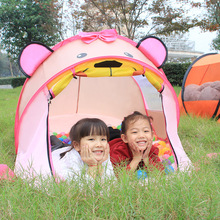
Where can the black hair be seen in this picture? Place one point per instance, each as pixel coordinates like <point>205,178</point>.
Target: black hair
<point>133,118</point>
<point>86,127</point>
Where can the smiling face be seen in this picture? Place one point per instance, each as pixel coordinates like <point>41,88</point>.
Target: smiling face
<point>92,133</point>
<point>96,143</point>
<point>139,134</point>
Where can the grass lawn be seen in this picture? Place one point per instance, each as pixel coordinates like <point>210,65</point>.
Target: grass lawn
<point>181,196</point>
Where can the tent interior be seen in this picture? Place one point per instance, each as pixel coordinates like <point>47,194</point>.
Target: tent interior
<point>108,98</point>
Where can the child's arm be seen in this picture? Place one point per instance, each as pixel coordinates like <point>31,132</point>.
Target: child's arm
<point>146,155</point>
<point>151,157</point>
<point>137,157</point>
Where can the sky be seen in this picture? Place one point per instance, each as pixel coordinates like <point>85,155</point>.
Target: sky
<point>202,40</point>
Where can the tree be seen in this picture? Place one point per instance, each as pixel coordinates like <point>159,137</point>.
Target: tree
<point>211,19</point>
<point>72,18</point>
<point>23,21</point>
<point>133,18</point>
<point>216,42</point>
<point>213,7</point>
<point>5,69</point>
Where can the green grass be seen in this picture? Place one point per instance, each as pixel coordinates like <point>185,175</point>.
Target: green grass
<point>177,89</point>
<point>8,103</point>
<point>180,196</point>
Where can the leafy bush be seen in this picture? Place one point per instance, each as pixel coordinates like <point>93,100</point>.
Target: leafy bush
<point>175,72</point>
<point>13,81</point>
<point>18,81</point>
<point>5,81</point>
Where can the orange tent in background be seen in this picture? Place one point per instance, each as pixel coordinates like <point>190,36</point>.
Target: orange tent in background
<point>200,93</point>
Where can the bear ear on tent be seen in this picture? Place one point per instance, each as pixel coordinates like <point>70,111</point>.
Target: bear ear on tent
<point>31,56</point>
<point>154,49</point>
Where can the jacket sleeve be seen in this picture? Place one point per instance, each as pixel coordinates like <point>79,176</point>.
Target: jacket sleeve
<point>119,154</point>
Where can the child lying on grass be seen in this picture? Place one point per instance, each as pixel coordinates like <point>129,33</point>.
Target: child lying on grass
<point>134,150</point>
<point>89,151</point>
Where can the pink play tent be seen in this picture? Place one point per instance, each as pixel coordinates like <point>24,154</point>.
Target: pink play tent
<point>97,74</point>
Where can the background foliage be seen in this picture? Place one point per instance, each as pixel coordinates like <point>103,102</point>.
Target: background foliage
<point>13,81</point>
<point>175,72</point>
<point>28,20</point>
<point>8,68</point>
<point>134,18</point>
<point>48,21</point>
<point>210,21</point>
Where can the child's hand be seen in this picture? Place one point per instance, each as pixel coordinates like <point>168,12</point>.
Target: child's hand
<point>146,154</point>
<point>137,153</point>
<point>106,154</point>
<point>87,156</point>
<point>137,156</point>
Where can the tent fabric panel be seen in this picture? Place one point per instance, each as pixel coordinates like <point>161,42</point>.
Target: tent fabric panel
<point>65,103</point>
<point>202,74</point>
<point>63,123</point>
<point>17,116</point>
<point>154,49</point>
<point>32,155</point>
<point>169,106</point>
<point>31,87</point>
<point>102,98</point>
<point>203,108</point>
<point>109,95</point>
<point>180,102</point>
<point>158,123</point>
<point>153,105</point>
<point>151,95</point>
<point>207,59</point>
<point>196,75</point>
<point>32,56</point>
<point>212,74</point>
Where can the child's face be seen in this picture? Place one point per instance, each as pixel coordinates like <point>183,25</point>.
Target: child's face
<point>138,134</point>
<point>96,143</point>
